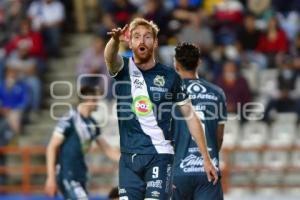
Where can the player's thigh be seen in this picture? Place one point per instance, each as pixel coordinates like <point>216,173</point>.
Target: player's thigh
<point>73,190</point>
<point>183,188</point>
<point>131,185</point>
<point>158,178</point>
<point>208,191</point>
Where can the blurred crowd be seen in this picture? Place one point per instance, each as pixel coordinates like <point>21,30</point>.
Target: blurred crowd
<point>30,33</point>
<point>250,48</point>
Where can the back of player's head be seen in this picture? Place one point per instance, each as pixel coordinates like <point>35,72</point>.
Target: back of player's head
<point>187,55</point>
<point>143,22</point>
<point>87,92</point>
<point>113,194</point>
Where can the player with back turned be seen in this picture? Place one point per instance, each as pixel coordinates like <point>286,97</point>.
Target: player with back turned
<point>146,93</point>
<point>208,100</point>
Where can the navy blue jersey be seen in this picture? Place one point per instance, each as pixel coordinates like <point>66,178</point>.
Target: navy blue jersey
<point>78,133</point>
<point>145,100</point>
<point>208,101</point>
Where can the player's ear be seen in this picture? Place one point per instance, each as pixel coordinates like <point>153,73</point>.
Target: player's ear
<point>155,42</point>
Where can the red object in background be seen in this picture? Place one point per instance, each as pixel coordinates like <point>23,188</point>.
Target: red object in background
<point>279,44</point>
<point>34,38</point>
<point>2,20</point>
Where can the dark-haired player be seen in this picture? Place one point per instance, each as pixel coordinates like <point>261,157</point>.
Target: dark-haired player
<point>71,139</point>
<point>208,100</point>
<point>146,93</point>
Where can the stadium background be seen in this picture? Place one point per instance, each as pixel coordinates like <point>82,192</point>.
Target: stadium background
<point>250,48</point>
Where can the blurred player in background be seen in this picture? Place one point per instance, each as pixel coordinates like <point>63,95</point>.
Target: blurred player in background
<point>146,93</point>
<point>71,139</point>
<point>208,101</point>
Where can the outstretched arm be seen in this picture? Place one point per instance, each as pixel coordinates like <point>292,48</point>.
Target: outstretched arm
<point>113,60</point>
<point>196,130</point>
<point>109,151</point>
<point>51,154</point>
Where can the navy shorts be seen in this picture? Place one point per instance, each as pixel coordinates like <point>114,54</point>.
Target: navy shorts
<point>145,176</point>
<point>196,188</point>
<point>72,189</point>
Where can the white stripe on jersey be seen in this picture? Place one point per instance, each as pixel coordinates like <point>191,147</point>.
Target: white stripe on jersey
<point>148,122</point>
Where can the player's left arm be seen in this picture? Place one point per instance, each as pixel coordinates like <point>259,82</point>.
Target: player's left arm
<point>222,118</point>
<point>196,130</point>
<point>220,135</point>
<point>111,152</point>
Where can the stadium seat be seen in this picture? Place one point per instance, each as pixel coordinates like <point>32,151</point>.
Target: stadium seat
<point>292,178</point>
<point>268,178</point>
<point>275,159</point>
<point>267,81</point>
<point>254,134</point>
<point>282,134</point>
<point>251,75</point>
<point>286,117</point>
<point>295,159</point>
<point>231,133</point>
<point>246,159</point>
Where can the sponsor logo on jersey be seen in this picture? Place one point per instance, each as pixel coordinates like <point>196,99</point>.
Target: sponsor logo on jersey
<point>159,81</point>
<point>155,194</point>
<point>138,83</point>
<point>154,184</point>
<point>142,105</point>
<point>122,191</point>
<point>197,91</point>
<point>193,163</point>
<point>158,89</point>
<point>196,87</point>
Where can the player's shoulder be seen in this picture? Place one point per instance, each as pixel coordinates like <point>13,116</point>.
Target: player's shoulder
<point>169,71</point>
<point>213,88</point>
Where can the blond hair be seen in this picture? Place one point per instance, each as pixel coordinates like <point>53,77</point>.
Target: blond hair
<point>143,22</point>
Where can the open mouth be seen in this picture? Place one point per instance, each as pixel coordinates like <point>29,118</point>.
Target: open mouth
<point>142,49</point>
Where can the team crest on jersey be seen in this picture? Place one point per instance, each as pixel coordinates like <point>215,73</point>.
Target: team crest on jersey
<point>196,87</point>
<point>142,105</point>
<point>159,81</point>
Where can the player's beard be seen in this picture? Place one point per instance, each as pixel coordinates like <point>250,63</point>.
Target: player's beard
<point>143,56</point>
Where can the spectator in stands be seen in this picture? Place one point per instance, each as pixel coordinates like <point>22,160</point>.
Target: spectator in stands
<point>288,86</point>
<point>26,67</point>
<point>25,34</point>
<point>35,44</point>
<point>91,62</point>
<point>13,100</point>
<point>48,16</point>
<point>104,24</point>
<point>194,31</point>
<point>235,87</point>
<point>248,35</point>
<point>113,194</point>
<point>122,11</point>
<point>10,16</point>
<point>154,11</point>
<point>247,41</point>
<point>273,42</point>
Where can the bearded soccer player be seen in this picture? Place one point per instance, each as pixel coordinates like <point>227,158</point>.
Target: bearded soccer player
<point>146,92</point>
<point>208,100</point>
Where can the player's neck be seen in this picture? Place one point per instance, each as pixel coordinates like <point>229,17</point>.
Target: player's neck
<point>145,65</point>
<point>189,75</point>
<point>84,111</point>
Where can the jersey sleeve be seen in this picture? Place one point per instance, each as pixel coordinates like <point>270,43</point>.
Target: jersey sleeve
<point>62,128</point>
<point>121,72</point>
<point>179,92</point>
<point>222,118</point>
